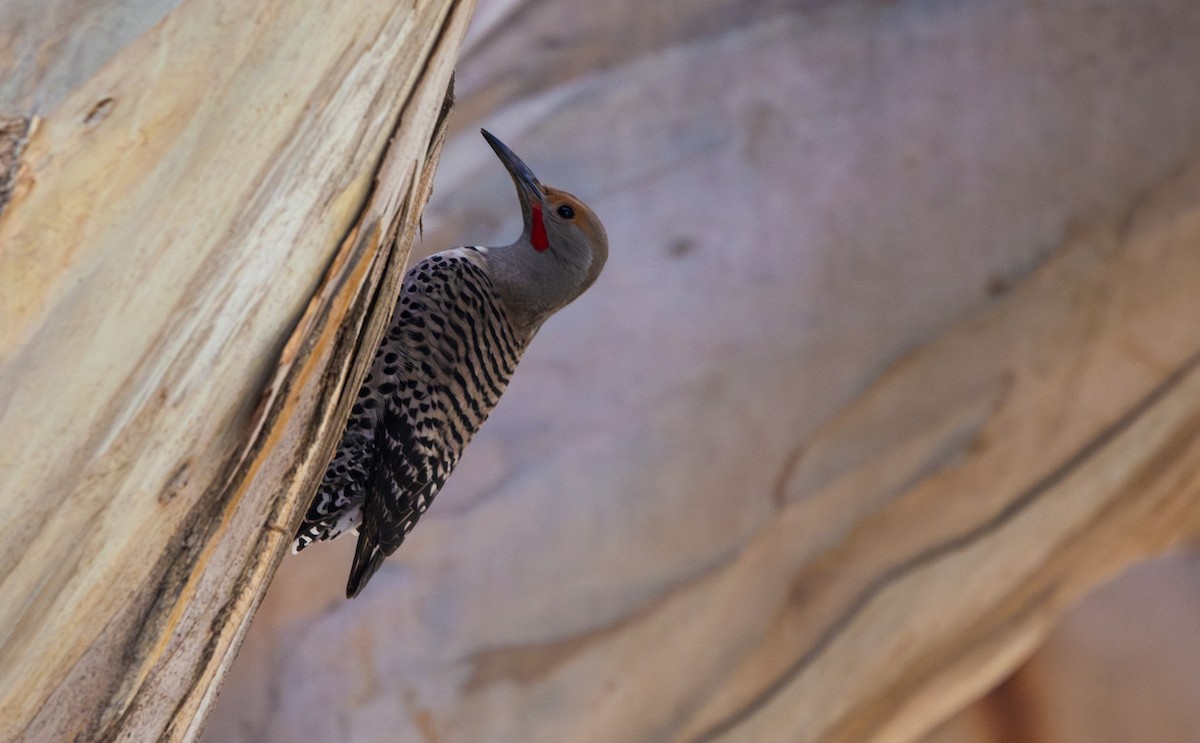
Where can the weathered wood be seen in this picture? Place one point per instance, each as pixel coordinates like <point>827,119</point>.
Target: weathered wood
<point>198,233</point>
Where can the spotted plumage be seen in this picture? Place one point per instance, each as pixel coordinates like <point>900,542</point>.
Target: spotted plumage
<point>463,320</point>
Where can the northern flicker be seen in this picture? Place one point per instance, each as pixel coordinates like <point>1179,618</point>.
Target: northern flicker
<point>463,320</point>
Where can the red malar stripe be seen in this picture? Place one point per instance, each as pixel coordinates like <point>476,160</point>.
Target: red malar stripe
<point>537,235</point>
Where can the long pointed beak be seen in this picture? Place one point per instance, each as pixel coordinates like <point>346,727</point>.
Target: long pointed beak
<point>528,186</point>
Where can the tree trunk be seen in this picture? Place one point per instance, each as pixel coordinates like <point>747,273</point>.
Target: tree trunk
<point>209,206</point>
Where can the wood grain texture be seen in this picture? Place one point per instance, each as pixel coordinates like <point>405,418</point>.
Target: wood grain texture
<point>198,235</point>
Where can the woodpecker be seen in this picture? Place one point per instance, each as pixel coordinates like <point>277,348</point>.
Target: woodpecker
<point>463,320</point>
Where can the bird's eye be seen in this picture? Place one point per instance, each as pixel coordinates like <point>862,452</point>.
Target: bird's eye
<point>566,212</point>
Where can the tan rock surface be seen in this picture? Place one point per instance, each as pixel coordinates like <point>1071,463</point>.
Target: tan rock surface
<point>1121,666</point>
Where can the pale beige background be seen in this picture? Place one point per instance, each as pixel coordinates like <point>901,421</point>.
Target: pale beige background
<point>796,193</point>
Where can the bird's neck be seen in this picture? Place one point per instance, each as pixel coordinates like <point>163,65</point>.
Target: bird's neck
<point>532,285</point>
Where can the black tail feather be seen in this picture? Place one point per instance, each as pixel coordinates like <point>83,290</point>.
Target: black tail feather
<point>367,558</point>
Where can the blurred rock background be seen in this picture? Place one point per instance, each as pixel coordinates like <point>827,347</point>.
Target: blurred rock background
<point>1121,667</point>
<point>796,194</point>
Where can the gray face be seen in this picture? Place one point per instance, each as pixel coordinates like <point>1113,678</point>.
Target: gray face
<point>559,254</point>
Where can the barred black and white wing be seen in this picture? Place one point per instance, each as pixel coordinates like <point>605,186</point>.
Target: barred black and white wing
<point>447,357</point>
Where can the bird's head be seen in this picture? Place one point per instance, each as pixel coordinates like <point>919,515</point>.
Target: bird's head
<point>560,252</point>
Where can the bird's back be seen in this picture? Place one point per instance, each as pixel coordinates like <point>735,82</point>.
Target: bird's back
<point>448,354</point>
